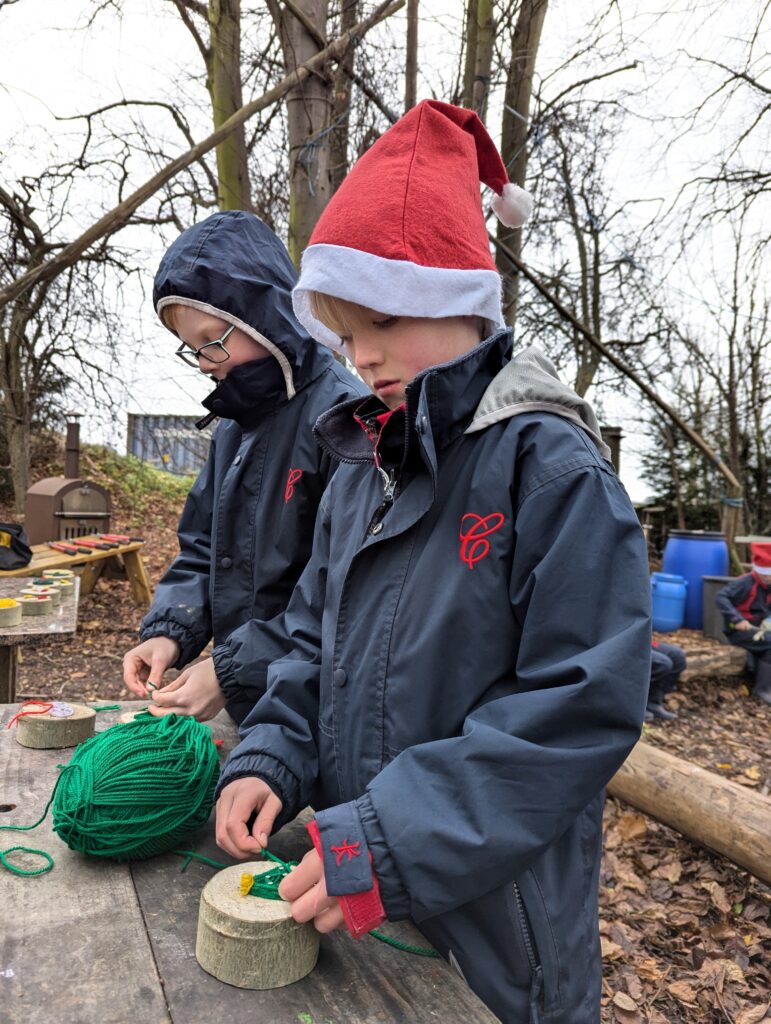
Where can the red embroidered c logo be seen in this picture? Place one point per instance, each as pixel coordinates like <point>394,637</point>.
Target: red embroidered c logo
<point>473,546</point>
<point>291,480</point>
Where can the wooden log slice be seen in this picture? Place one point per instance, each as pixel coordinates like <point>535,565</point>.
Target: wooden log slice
<point>129,716</point>
<point>59,574</point>
<point>10,612</point>
<point>51,591</point>
<point>46,732</point>
<point>35,604</point>
<point>250,942</point>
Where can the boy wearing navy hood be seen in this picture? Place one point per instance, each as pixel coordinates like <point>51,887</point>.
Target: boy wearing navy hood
<point>471,637</point>
<point>224,289</point>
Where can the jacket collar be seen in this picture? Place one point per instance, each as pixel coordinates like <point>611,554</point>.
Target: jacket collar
<point>248,392</point>
<point>441,401</point>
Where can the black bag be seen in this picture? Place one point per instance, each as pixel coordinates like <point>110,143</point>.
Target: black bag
<point>15,551</point>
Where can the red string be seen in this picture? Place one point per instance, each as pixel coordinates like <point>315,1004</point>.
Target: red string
<point>45,705</point>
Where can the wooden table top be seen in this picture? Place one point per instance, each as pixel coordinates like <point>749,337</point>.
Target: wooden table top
<point>44,557</point>
<point>62,619</point>
<point>96,942</point>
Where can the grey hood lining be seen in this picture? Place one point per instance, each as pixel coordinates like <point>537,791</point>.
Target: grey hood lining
<point>253,333</point>
<point>529,383</point>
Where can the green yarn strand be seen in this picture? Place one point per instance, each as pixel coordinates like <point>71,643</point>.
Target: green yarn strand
<point>16,870</point>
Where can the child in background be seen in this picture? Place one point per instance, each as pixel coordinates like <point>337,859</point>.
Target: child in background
<point>667,662</point>
<point>471,637</point>
<point>745,604</point>
<point>224,289</point>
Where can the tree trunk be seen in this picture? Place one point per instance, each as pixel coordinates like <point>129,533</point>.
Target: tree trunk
<point>480,34</point>
<point>519,84</point>
<point>719,814</point>
<point>223,80</point>
<point>308,115</point>
<point>15,400</point>
<point>411,73</point>
<point>338,142</point>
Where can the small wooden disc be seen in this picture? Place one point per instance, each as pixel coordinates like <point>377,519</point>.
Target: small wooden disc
<point>10,612</point>
<point>58,574</point>
<point>250,942</point>
<point>51,591</point>
<point>31,605</point>
<point>46,732</point>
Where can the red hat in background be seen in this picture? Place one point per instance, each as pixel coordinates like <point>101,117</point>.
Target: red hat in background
<point>405,233</point>
<point>761,558</point>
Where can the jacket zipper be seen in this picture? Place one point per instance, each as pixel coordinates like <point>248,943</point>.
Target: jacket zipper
<point>389,493</point>
<point>536,988</point>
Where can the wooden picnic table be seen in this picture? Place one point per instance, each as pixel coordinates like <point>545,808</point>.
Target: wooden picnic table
<point>97,942</point>
<point>121,562</point>
<point>32,628</point>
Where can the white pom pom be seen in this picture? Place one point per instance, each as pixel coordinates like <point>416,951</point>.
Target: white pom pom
<point>513,207</point>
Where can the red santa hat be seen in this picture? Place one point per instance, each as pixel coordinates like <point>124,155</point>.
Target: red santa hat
<point>761,558</point>
<point>405,233</point>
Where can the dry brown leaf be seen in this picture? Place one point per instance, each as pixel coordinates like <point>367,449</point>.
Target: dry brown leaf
<point>610,950</point>
<point>682,991</point>
<point>751,1014</point>
<point>632,825</point>
<point>733,972</point>
<point>624,1002</point>
<point>670,872</point>
<point>753,772</point>
<point>719,897</point>
<point>649,970</point>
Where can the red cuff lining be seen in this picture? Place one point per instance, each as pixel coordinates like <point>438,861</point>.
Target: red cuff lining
<point>362,911</point>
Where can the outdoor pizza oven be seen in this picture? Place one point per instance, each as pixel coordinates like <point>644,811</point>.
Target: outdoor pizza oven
<point>63,507</point>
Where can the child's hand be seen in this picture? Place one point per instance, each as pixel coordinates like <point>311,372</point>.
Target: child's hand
<point>743,626</point>
<point>149,660</point>
<point>237,802</point>
<point>194,692</point>
<point>306,890</point>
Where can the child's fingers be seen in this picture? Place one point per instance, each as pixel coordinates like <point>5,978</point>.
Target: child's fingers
<point>331,919</point>
<point>176,684</point>
<point>233,811</point>
<point>307,873</point>
<point>263,826</point>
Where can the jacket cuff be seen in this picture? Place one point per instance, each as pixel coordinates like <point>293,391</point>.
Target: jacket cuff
<point>393,891</point>
<point>225,670</point>
<point>281,780</point>
<point>189,646</point>
<point>347,867</point>
<point>361,911</point>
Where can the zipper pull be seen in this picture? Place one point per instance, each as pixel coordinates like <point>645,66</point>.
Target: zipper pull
<point>389,484</point>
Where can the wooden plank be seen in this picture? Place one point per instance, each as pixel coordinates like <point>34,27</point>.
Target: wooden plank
<point>353,983</point>
<point>9,662</point>
<point>364,982</point>
<point>140,584</point>
<point>73,944</point>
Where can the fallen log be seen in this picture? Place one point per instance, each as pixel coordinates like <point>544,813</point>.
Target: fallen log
<point>721,815</point>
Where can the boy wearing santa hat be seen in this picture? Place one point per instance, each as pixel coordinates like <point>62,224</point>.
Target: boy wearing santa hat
<point>745,604</point>
<point>471,636</point>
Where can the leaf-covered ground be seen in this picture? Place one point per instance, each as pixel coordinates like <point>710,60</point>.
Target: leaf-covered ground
<point>686,935</point>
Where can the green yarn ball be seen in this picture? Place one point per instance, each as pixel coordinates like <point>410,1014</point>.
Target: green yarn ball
<point>137,789</point>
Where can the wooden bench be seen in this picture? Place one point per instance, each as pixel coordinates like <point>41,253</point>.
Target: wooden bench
<point>99,942</point>
<point>123,562</point>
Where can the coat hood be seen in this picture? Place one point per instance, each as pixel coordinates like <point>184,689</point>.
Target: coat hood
<point>233,266</point>
<point>529,383</point>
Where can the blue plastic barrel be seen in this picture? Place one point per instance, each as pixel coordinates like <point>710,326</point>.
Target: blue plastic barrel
<point>694,554</point>
<point>668,594</point>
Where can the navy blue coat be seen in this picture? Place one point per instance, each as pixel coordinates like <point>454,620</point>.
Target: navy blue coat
<point>247,527</point>
<point>470,667</point>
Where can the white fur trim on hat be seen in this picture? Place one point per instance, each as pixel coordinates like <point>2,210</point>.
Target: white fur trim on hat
<point>513,206</point>
<point>395,287</point>
<point>764,570</point>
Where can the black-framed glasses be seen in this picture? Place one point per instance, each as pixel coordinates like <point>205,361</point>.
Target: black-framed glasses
<point>217,353</point>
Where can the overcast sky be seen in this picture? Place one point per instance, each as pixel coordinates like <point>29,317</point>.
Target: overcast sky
<point>52,67</point>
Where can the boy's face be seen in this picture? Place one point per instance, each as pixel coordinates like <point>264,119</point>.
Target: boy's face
<point>196,329</point>
<point>389,351</point>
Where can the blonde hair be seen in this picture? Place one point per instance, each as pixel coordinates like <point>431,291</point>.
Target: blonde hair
<point>169,316</point>
<point>339,315</point>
